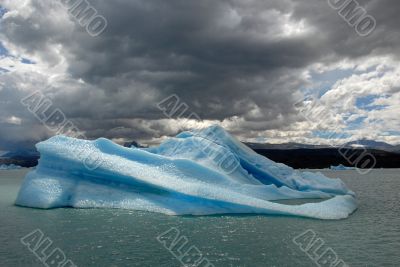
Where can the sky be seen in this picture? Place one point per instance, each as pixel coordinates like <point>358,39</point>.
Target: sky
<point>271,71</point>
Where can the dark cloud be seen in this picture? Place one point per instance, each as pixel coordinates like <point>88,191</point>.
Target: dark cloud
<point>223,58</point>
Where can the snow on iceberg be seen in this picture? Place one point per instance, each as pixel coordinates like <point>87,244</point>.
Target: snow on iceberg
<point>198,172</point>
<point>9,167</point>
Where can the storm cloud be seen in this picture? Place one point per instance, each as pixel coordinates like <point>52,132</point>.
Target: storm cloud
<point>243,64</point>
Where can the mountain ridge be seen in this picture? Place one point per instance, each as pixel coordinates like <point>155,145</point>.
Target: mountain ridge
<point>362,143</point>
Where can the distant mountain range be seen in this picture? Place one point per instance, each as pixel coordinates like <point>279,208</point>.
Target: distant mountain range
<point>293,154</point>
<point>284,146</point>
<point>368,144</point>
<point>20,157</point>
<point>133,144</point>
<point>21,153</point>
<point>375,145</point>
<point>322,156</point>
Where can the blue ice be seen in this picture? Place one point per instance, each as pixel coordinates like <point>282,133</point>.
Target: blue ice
<point>341,167</point>
<point>198,172</point>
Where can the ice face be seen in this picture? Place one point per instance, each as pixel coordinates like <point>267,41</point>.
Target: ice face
<point>198,172</point>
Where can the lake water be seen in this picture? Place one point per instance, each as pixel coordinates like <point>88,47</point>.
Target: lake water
<point>105,237</point>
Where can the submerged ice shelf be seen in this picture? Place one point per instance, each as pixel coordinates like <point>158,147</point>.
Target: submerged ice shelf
<point>198,172</point>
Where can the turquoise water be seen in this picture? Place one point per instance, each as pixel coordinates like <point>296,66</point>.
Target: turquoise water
<point>101,237</point>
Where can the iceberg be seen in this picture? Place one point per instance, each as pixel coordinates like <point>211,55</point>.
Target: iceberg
<point>341,167</point>
<point>9,167</point>
<point>198,172</point>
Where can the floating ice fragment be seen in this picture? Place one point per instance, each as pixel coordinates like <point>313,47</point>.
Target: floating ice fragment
<point>341,167</point>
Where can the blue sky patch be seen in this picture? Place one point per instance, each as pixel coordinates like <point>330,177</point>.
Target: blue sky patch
<point>27,61</point>
<point>365,103</point>
<point>3,70</point>
<point>330,134</point>
<point>3,50</point>
<point>325,81</point>
<point>392,133</point>
<point>2,11</point>
<point>355,124</point>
